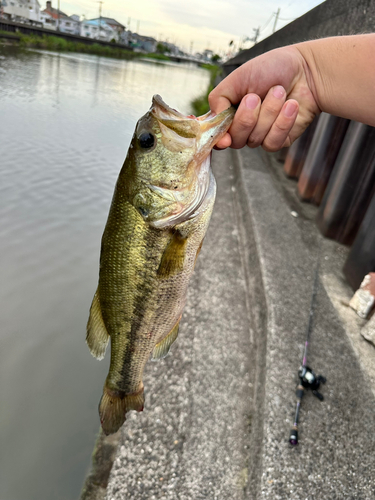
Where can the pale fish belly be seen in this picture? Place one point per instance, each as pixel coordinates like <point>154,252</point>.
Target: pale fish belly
<point>172,292</point>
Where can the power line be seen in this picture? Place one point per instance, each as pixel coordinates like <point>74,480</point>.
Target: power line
<point>289,4</point>
<point>267,22</point>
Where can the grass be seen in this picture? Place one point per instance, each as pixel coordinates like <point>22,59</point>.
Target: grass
<point>50,42</point>
<point>9,33</point>
<point>200,104</point>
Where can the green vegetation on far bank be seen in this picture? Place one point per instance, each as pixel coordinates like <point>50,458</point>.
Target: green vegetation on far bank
<point>200,104</point>
<point>10,34</point>
<point>50,42</point>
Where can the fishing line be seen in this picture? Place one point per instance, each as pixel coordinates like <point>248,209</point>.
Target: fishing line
<point>307,377</point>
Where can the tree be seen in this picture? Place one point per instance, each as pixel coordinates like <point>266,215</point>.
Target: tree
<point>161,48</point>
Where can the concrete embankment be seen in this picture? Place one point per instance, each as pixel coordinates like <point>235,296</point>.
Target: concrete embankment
<point>219,408</point>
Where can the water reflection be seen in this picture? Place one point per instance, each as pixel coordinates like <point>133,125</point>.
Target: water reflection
<point>66,121</point>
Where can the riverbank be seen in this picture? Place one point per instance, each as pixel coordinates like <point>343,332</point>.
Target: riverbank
<point>200,104</point>
<point>50,42</point>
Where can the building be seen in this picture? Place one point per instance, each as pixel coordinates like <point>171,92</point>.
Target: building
<point>143,43</point>
<point>115,25</point>
<point>63,23</point>
<point>21,10</point>
<point>207,55</point>
<point>48,21</point>
<point>172,49</point>
<point>70,25</point>
<point>98,29</point>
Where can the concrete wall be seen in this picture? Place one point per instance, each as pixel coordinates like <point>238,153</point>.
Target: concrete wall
<point>331,18</point>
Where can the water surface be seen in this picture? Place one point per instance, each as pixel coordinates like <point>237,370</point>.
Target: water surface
<point>66,121</point>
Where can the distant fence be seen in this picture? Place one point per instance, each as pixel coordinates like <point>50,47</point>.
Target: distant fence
<point>28,29</point>
<point>334,160</point>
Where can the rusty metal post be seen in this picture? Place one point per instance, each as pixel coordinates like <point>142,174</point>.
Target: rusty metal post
<point>351,185</point>
<point>297,153</point>
<point>361,258</point>
<point>320,160</point>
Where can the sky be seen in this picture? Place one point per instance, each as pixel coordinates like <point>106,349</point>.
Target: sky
<point>195,25</point>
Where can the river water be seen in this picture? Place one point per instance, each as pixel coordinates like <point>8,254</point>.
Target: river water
<point>66,121</point>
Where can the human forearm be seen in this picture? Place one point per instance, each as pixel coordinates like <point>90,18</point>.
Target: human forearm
<point>341,75</point>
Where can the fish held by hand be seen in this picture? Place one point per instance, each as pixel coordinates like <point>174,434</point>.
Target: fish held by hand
<point>158,218</point>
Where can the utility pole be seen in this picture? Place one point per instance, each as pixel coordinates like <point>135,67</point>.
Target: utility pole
<point>138,23</point>
<point>129,20</point>
<point>100,15</point>
<point>276,19</point>
<point>191,47</point>
<point>256,34</point>
<point>58,15</point>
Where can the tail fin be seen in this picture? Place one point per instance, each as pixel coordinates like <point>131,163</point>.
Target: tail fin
<point>114,405</point>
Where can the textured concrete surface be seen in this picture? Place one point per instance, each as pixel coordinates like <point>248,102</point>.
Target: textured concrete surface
<point>219,409</point>
<point>334,458</point>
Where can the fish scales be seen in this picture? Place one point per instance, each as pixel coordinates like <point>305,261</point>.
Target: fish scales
<point>156,225</point>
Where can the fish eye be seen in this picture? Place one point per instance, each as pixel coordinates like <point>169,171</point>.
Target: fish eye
<point>146,140</point>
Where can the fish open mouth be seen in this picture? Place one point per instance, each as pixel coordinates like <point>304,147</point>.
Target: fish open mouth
<point>203,132</point>
<point>207,129</point>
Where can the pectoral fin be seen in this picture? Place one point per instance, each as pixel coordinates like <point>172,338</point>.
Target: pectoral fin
<point>173,258</point>
<point>162,348</point>
<point>198,252</point>
<point>97,337</point>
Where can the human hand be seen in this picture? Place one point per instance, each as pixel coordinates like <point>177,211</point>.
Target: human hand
<point>276,99</point>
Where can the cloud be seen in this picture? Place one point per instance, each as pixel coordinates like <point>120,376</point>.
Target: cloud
<point>205,22</point>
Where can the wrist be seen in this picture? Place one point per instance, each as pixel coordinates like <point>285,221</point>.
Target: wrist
<point>311,71</point>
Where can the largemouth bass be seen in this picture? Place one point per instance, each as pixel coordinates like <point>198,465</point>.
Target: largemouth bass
<point>157,221</point>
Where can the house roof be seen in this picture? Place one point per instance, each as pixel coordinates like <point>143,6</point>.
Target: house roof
<point>55,13</point>
<point>111,21</point>
<point>143,38</point>
<point>96,22</point>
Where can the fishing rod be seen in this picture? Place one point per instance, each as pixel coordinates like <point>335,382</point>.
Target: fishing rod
<point>307,377</point>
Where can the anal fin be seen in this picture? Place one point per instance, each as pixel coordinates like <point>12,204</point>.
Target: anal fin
<point>173,258</point>
<point>97,337</point>
<point>162,348</point>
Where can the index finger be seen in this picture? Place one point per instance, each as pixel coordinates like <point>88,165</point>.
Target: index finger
<point>217,102</point>
<point>223,96</point>
<point>232,89</point>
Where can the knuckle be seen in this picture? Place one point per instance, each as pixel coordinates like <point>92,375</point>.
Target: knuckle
<point>281,126</point>
<point>270,148</point>
<point>272,110</point>
<point>253,141</point>
<point>245,121</point>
